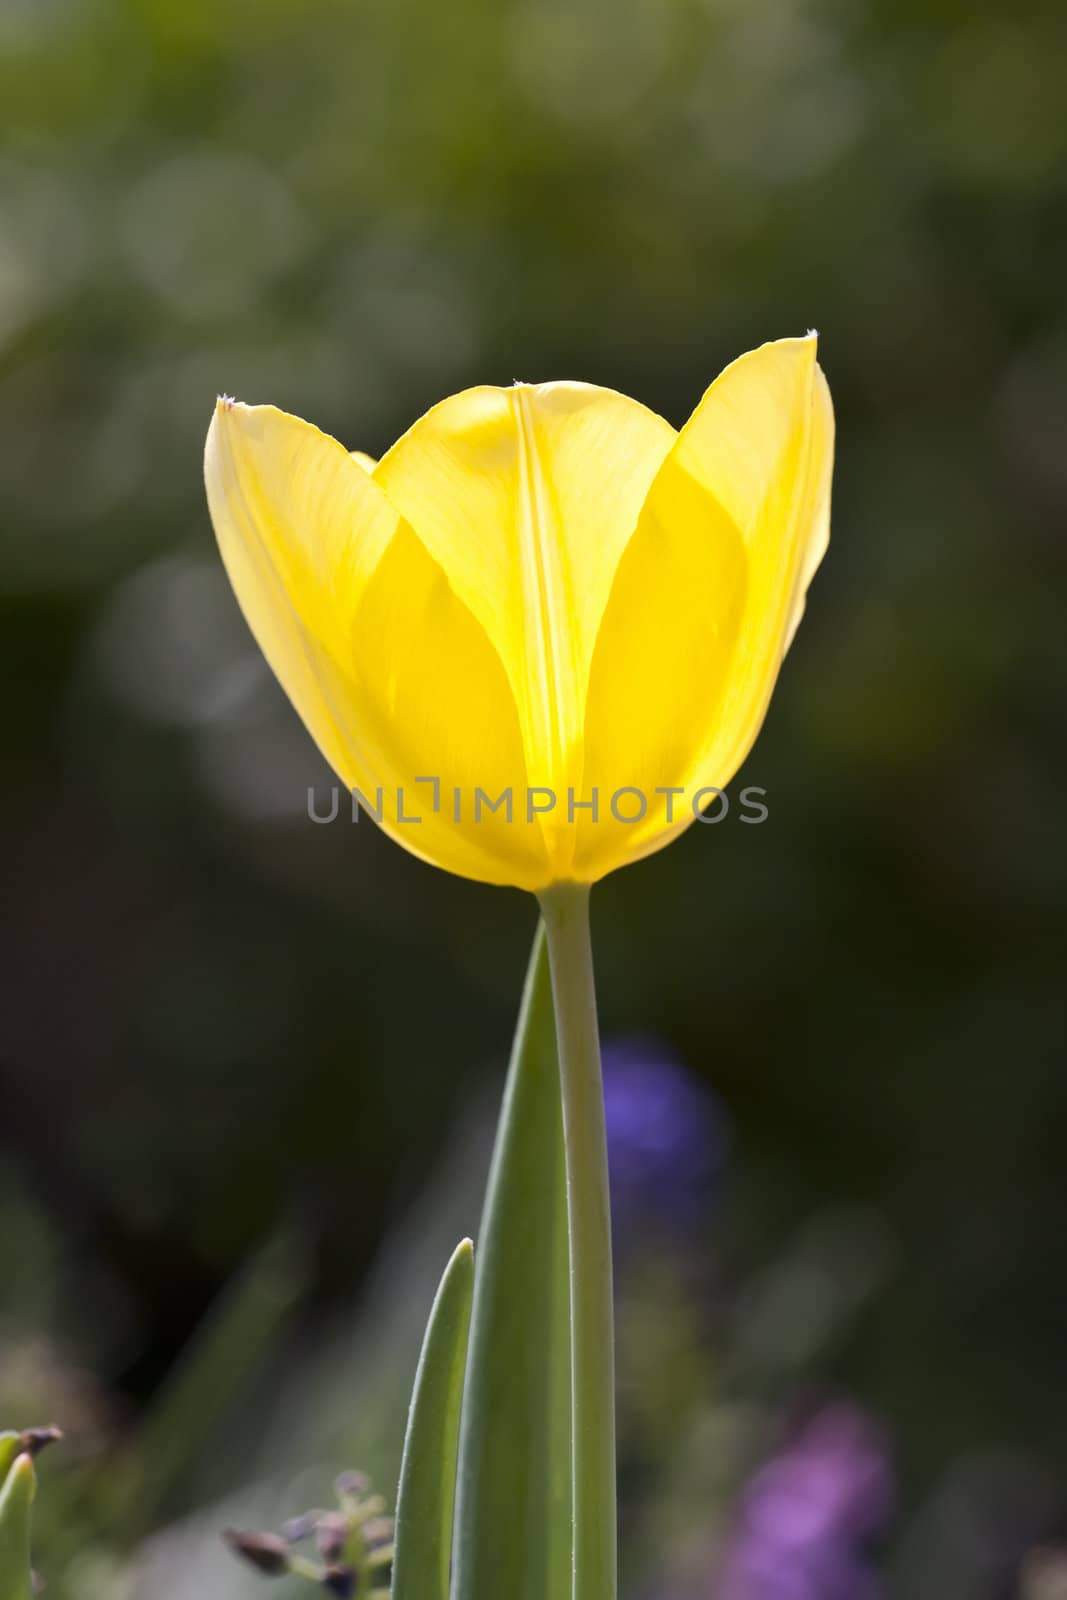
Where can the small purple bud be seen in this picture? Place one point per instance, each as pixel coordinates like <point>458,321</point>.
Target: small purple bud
<point>350,1485</point>
<point>330,1535</point>
<point>298,1528</point>
<point>264,1551</point>
<point>340,1581</point>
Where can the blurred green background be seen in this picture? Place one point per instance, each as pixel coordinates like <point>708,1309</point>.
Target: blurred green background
<point>248,1064</point>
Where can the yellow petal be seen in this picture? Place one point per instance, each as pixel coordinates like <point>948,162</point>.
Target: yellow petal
<point>393,676</point>
<point>362,459</point>
<point>300,527</point>
<point>822,471</point>
<point>527,497</point>
<point>440,725</point>
<point>706,598</point>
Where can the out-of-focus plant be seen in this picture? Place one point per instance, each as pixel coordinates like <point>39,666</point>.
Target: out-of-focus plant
<point>668,1140</point>
<point>353,1545</point>
<point>809,1513</point>
<point>18,1485</point>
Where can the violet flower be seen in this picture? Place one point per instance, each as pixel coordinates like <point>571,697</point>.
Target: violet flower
<point>809,1513</point>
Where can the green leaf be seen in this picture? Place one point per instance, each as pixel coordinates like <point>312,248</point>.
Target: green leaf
<point>426,1497</point>
<point>16,1498</point>
<point>513,1516</point>
<point>11,1445</point>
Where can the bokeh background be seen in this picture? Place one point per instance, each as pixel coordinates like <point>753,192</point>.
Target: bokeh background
<point>249,1065</point>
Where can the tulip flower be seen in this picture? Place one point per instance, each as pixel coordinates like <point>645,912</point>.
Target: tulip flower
<point>544,624</point>
<point>535,638</point>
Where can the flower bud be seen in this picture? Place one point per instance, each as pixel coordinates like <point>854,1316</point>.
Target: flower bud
<point>340,1581</point>
<point>265,1551</point>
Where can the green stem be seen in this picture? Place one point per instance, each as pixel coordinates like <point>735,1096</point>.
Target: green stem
<point>565,907</point>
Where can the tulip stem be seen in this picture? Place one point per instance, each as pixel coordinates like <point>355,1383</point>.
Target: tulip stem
<point>565,908</point>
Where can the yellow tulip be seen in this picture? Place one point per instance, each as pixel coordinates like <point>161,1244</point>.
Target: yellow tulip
<point>544,593</point>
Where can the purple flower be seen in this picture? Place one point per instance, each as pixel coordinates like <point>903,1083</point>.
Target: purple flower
<point>808,1513</point>
<point>667,1140</point>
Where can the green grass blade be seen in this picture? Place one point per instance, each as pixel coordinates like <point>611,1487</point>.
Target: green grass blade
<point>426,1497</point>
<point>513,1517</point>
<point>16,1498</point>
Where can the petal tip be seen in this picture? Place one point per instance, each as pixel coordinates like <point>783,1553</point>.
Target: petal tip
<point>226,405</point>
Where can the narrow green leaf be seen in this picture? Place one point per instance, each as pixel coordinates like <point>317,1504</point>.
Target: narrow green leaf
<point>513,1517</point>
<point>11,1445</point>
<point>16,1498</point>
<point>427,1493</point>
